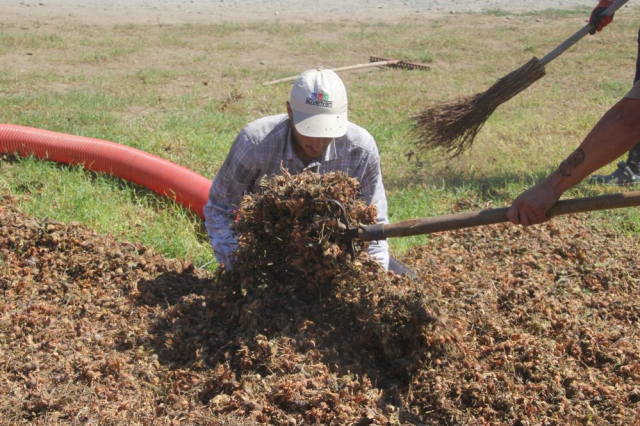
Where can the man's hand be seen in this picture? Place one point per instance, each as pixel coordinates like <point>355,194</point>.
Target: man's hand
<point>598,19</point>
<point>531,207</point>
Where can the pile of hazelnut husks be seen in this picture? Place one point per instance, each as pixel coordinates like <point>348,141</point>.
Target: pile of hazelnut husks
<point>541,326</point>
<point>294,226</point>
<point>293,267</point>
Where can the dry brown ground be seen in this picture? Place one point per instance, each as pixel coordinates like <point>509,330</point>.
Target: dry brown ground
<point>534,327</point>
<point>99,12</point>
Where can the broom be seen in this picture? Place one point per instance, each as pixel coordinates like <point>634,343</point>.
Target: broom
<point>452,126</point>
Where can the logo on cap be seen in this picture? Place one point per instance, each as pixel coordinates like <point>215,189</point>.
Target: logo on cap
<point>319,99</point>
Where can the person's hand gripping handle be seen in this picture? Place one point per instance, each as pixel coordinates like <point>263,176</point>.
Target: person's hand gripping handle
<point>598,18</point>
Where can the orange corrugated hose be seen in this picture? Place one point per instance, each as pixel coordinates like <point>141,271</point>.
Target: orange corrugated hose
<point>161,176</point>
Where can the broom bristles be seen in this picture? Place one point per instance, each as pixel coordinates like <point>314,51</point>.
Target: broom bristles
<point>452,126</point>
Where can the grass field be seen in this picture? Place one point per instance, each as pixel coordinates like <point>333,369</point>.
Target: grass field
<point>183,93</point>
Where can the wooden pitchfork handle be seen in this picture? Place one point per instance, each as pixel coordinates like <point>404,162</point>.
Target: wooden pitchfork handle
<point>579,34</point>
<point>488,217</point>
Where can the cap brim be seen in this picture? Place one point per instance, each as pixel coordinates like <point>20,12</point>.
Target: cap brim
<point>320,125</point>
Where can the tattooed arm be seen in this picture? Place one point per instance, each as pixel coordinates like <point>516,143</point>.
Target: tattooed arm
<point>616,132</point>
<point>571,163</point>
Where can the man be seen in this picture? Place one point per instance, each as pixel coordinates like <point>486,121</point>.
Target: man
<point>314,134</point>
<point>628,172</point>
<point>616,132</point>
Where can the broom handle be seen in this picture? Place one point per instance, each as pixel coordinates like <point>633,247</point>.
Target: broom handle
<point>350,67</point>
<point>578,36</point>
<point>491,216</point>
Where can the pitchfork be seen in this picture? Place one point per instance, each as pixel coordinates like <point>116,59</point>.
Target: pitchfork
<point>450,222</point>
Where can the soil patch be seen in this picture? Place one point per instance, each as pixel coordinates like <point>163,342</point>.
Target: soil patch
<point>96,12</point>
<point>504,326</point>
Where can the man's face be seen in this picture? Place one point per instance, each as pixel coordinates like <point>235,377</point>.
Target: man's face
<point>312,147</point>
<point>307,148</point>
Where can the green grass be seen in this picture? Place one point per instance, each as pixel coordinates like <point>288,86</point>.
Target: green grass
<point>183,92</point>
<point>551,13</point>
<point>111,205</point>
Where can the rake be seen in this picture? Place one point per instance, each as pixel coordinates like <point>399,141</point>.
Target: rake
<point>452,126</point>
<point>374,61</point>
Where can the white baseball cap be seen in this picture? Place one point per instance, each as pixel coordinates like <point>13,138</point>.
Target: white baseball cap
<point>319,104</point>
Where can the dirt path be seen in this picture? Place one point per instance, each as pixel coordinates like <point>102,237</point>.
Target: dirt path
<point>216,11</point>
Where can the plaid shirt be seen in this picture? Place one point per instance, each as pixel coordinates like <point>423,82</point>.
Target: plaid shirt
<point>259,150</point>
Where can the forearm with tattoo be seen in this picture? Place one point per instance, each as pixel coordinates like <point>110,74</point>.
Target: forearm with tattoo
<point>571,163</point>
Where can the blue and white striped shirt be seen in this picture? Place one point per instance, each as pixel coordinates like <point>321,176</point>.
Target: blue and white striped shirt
<point>259,150</point>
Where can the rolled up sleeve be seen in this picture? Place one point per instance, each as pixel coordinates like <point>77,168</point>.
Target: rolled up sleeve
<point>373,193</point>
